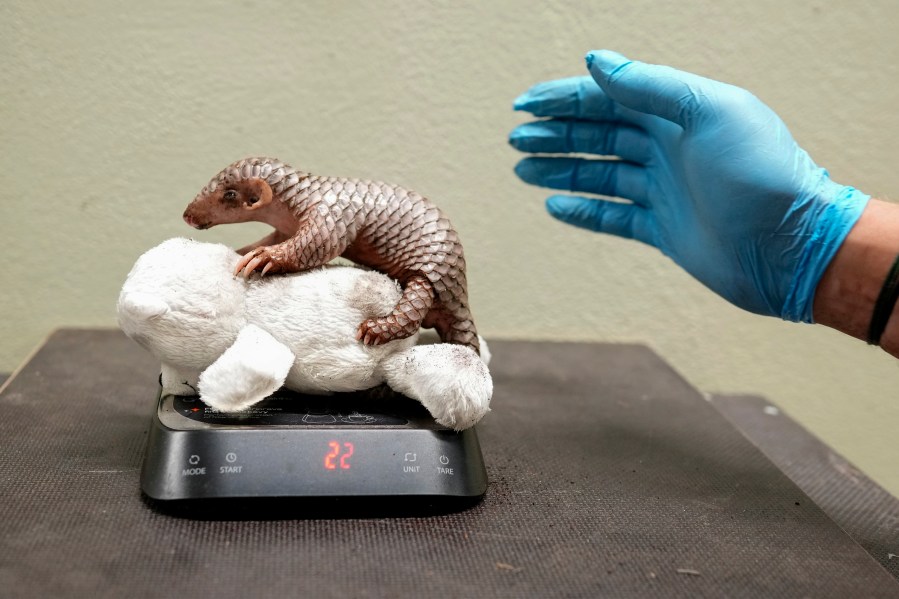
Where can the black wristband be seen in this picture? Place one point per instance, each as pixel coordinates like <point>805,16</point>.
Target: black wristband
<point>883,308</point>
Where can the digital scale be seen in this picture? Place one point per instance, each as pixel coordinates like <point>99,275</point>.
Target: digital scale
<point>331,453</point>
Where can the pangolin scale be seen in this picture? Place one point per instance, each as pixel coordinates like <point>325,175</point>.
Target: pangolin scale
<point>375,224</point>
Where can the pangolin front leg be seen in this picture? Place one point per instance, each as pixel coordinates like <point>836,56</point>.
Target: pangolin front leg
<point>315,244</point>
<point>274,258</point>
<point>273,238</point>
<point>406,318</point>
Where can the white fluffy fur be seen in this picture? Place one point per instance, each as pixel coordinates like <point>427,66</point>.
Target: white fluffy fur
<point>237,341</point>
<point>255,366</point>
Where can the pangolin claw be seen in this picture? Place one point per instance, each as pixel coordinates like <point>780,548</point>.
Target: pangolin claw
<point>242,263</point>
<point>251,266</point>
<point>252,261</point>
<point>365,334</point>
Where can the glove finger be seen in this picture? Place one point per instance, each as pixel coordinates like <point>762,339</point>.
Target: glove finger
<point>624,220</point>
<point>574,97</point>
<point>674,95</point>
<point>603,177</point>
<point>587,137</point>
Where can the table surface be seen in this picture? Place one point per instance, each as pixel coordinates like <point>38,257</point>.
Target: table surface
<point>867,512</point>
<point>609,476</point>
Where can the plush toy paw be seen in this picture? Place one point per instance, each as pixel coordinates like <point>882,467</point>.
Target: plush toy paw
<point>253,368</point>
<point>177,381</point>
<point>450,380</point>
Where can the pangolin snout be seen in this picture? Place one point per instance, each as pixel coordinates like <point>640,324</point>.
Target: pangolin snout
<point>189,219</point>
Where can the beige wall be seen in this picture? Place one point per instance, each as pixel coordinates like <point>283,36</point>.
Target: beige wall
<point>114,116</point>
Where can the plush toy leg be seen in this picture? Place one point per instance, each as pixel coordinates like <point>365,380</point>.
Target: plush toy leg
<point>254,367</point>
<point>177,381</point>
<point>450,380</point>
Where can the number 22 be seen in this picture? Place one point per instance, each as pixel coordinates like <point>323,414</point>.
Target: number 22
<point>331,456</point>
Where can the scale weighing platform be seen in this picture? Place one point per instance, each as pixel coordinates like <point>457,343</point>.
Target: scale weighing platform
<point>345,447</point>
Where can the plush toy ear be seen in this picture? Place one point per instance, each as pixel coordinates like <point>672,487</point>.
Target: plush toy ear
<point>255,366</point>
<point>142,306</point>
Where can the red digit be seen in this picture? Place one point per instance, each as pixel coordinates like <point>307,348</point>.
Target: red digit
<point>344,463</point>
<point>329,457</point>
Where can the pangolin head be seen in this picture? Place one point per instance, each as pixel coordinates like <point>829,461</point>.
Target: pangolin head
<point>235,193</point>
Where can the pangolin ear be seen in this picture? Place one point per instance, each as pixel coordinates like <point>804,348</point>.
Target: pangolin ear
<point>259,194</point>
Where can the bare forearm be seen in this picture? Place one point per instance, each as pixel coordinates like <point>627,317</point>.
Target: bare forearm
<point>845,297</point>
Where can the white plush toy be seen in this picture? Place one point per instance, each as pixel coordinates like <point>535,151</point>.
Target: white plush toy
<point>236,341</point>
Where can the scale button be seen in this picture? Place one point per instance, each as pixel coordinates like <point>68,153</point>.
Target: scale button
<point>194,460</point>
<point>444,460</point>
<point>231,457</point>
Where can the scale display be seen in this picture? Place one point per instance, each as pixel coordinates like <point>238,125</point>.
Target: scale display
<point>291,445</point>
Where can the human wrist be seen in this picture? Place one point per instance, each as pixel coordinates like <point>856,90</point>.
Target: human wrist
<point>848,290</point>
<point>834,210</point>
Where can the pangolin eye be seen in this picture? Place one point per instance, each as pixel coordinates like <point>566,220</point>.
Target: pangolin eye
<point>230,195</point>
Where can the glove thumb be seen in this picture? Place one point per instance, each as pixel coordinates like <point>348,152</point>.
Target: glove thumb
<point>652,89</point>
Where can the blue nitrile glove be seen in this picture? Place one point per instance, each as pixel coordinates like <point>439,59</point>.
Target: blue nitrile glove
<point>713,178</point>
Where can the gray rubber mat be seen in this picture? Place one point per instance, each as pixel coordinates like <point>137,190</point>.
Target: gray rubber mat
<point>861,507</point>
<point>609,476</point>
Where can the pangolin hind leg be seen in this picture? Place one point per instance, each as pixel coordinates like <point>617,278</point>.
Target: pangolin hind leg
<point>455,327</point>
<point>406,318</point>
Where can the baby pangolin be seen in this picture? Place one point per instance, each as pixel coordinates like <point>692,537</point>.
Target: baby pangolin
<point>378,225</point>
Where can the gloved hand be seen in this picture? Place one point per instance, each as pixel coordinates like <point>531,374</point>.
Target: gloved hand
<point>712,176</point>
